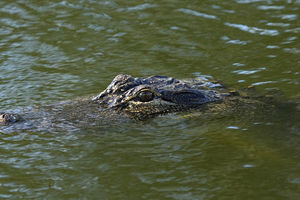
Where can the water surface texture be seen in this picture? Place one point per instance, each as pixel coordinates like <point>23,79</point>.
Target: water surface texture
<point>54,50</point>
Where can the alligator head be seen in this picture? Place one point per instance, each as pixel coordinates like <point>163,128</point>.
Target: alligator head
<point>143,98</point>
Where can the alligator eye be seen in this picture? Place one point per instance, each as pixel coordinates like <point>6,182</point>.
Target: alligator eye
<point>146,96</point>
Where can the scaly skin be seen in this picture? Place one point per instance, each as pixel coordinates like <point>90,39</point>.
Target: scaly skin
<point>127,99</point>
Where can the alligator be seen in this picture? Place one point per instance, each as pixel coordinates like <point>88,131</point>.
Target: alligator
<point>129,99</point>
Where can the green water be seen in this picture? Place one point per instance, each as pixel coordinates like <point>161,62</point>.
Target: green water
<point>58,50</point>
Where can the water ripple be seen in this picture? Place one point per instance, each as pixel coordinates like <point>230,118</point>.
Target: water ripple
<point>253,29</point>
<point>198,14</point>
<point>247,72</point>
<point>264,7</point>
<point>55,50</point>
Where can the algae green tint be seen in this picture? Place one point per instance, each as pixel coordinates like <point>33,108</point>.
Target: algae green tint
<point>54,51</point>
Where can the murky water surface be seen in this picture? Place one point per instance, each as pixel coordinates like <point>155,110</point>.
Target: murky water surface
<point>58,50</point>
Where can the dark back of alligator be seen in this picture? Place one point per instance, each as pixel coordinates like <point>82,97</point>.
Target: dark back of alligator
<point>137,99</point>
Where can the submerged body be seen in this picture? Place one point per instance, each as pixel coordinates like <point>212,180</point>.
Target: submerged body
<point>128,98</point>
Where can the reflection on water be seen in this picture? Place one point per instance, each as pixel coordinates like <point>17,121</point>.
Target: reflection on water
<point>58,50</point>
